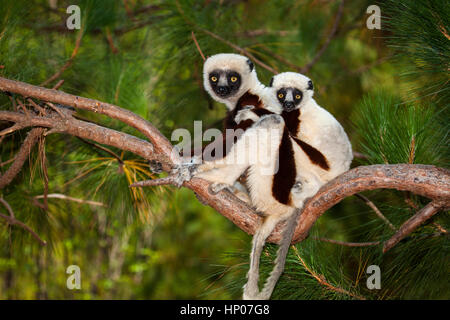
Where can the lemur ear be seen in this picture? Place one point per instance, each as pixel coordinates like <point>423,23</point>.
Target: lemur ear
<point>271,82</point>
<point>250,65</point>
<point>310,85</point>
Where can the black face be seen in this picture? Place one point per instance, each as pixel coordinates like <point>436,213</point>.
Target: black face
<point>225,83</point>
<point>289,98</point>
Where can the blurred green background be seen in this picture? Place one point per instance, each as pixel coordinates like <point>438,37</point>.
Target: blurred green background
<point>389,88</point>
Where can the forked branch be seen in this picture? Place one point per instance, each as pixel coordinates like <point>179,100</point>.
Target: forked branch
<point>428,181</point>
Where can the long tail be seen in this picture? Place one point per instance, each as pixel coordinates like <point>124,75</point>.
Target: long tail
<point>251,289</point>
<point>282,252</point>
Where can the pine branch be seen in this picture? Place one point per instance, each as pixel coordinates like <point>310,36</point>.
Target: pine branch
<point>11,220</point>
<point>14,222</point>
<point>19,160</point>
<point>412,223</point>
<point>428,181</point>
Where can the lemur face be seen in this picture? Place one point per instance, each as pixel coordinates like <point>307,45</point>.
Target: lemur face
<point>225,83</point>
<point>289,98</point>
<point>227,76</point>
<point>293,90</point>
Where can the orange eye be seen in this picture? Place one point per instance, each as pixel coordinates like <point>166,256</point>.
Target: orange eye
<point>280,95</point>
<point>233,79</point>
<point>213,79</point>
<point>297,97</point>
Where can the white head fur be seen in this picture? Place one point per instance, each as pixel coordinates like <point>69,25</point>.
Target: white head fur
<point>221,68</point>
<point>293,90</point>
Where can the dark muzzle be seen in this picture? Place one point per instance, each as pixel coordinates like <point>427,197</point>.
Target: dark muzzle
<point>289,105</point>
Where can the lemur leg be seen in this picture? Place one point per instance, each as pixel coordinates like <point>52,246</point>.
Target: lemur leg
<point>241,155</point>
<point>306,185</point>
<point>249,141</point>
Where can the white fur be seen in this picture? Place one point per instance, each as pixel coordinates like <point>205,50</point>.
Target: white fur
<point>259,179</point>
<point>318,128</point>
<point>249,79</point>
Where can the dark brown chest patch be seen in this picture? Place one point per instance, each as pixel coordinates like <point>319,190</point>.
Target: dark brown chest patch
<point>284,179</point>
<point>292,121</point>
<point>248,99</point>
<point>314,155</point>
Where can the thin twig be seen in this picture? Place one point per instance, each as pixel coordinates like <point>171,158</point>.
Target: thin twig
<point>111,42</point>
<point>13,102</point>
<point>262,32</point>
<point>43,161</point>
<point>349,244</point>
<point>360,155</point>
<point>8,207</point>
<point>14,222</point>
<point>96,145</point>
<point>25,111</point>
<point>197,45</point>
<point>68,62</point>
<point>376,210</point>
<point>58,84</point>
<point>36,106</point>
<point>412,223</point>
<point>56,109</point>
<point>4,163</point>
<point>241,50</point>
<point>331,35</point>
<point>440,228</point>
<point>11,129</point>
<point>21,156</point>
<point>64,197</point>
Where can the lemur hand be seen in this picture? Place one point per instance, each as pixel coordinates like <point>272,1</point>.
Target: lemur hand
<point>246,113</point>
<point>216,187</point>
<point>185,171</point>
<point>155,166</point>
<point>269,121</point>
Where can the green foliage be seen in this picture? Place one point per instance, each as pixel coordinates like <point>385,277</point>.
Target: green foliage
<point>421,34</point>
<point>161,243</point>
<point>394,132</point>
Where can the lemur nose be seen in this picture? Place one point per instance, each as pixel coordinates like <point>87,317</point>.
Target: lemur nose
<point>222,89</point>
<point>289,105</point>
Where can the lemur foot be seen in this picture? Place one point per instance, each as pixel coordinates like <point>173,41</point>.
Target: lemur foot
<point>216,187</point>
<point>185,171</point>
<point>155,166</point>
<point>297,187</point>
<point>269,121</point>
